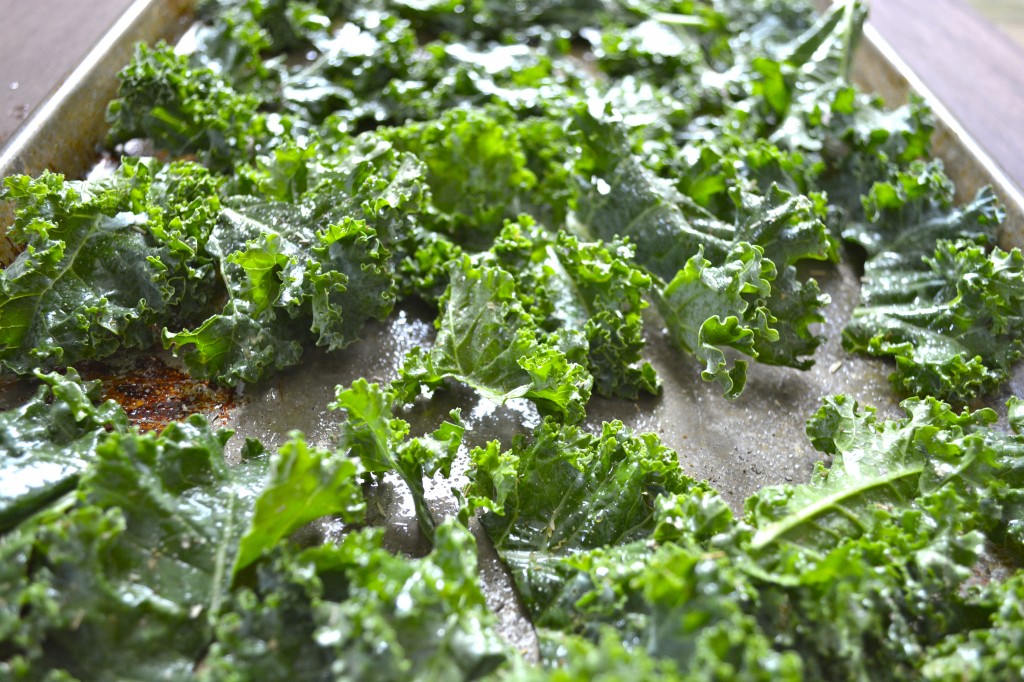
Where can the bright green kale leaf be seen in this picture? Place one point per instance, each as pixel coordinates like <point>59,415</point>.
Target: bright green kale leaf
<point>566,490</point>
<point>589,288</point>
<point>954,329</point>
<point>183,109</point>
<point>101,261</point>
<point>874,465</point>
<point>353,610</point>
<point>572,515</point>
<point>46,444</point>
<point>304,484</point>
<point>687,608</point>
<point>369,179</point>
<point>853,576</point>
<point>710,171</point>
<point>487,341</point>
<point>700,289</point>
<point>899,519</point>
<point>379,440</point>
<point>238,344</point>
<point>477,171</point>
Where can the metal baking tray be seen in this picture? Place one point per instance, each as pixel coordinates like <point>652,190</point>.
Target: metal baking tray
<point>739,446</point>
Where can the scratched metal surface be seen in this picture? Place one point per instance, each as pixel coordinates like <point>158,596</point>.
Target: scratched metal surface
<point>738,446</point>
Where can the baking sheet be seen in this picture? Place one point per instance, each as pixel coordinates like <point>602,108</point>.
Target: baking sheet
<point>739,446</point>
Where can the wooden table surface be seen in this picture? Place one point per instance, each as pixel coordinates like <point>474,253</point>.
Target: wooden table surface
<point>974,69</point>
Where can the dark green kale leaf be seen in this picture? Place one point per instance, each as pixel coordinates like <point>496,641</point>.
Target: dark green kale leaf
<point>46,444</point>
<point>353,610</point>
<point>954,329</point>
<point>373,434</point>
<point>907,213</point>
<point>488,341</point>
<point>742,275</point>
<point>590,288</point>
<point>129,573</point>
<point>364,178</point>
<point>932,298</point>
<point>899,519</point>
<point>102,261</point>
<point>277,272</point>
<point>128,580</point>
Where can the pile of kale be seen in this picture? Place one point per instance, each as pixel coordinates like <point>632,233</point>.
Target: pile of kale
<point>538,173</point>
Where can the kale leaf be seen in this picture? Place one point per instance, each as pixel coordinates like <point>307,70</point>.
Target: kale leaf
<point>729,285</point>
<point>592,289</point>
<point>954,329</point>
<point>102,261</point>
<point>46,444</point>
<point>487,340</point>
<point>372,433</point>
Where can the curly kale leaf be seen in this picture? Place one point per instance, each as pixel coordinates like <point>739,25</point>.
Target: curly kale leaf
<point>932,298</point>
<point>906,214</point>
<point>572,515</point>
<point>46,444</point>
<point>477,173</point>
<point>488,341</point>
<point>953,329</point>
<point>102,261</point>
<point>356,610</point>
<point>620,197</point>
<point>700,289</point>
<point>373,434</point>
<point>303,484</point>
<point>892,463</point>
<point>899,518</point>
<point>855,575</point>
<point>130,573</point>
<point>589,288</point>
<point>364,178</point>
<point>688,609</point>
<point>566,490</point>
<point>184,108</point>
<point>287,267</point>
<point>128,580</point>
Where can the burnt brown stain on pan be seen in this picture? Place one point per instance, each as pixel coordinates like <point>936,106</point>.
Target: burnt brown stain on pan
<point>153,394</point>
